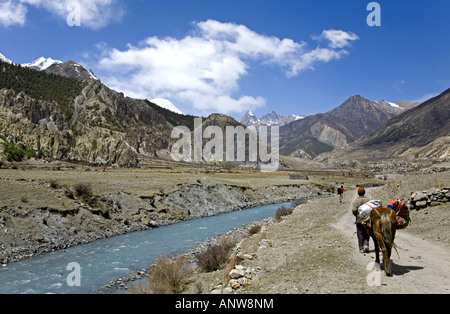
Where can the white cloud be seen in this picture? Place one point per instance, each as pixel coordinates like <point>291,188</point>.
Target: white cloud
<point>203,70</point>
<point>94,14</point>
<point>426,97</point>
<point>12,13</point>
<point>337,38</point>
<point>398,85</point>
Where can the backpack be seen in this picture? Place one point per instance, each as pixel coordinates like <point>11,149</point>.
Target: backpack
<point>339,190</point>
<point>366,208</point>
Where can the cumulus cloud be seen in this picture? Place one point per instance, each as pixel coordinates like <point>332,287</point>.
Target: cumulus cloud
<point>94,14</point>
<point>202,70</point>
<point>338,38</point>
<point>12,13</point>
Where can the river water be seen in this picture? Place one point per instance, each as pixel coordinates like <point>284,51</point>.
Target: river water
<point>94,265</point>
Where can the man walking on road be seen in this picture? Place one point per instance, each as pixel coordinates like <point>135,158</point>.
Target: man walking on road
<point>361,232</point>
<point>340,192</point>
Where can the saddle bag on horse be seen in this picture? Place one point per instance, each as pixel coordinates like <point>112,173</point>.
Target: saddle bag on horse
<point>365,209</point>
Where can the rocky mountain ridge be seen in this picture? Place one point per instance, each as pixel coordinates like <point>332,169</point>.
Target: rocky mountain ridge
<point>80,120</point>
<point>421,132</point>
<point>355,118</point>
<point>84,120</point>
<point>270,119</point>
<point>71,69</point>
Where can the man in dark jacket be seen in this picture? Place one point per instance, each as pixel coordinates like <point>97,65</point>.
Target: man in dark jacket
<point>361,232</point>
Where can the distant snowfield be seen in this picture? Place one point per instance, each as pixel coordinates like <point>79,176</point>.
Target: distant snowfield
<point>393,105</point>
<point>166,104</point>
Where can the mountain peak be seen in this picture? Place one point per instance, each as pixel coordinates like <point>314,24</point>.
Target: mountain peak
<point>249,118</point>
<point>71,69</point>
<point>356,97</point>
<point>166,104</point>
<point>41,63</point>
<point>4,58</point>
<point>270,119</point>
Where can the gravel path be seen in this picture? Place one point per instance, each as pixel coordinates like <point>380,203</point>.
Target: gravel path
<point>315,250</point>
<point>421,267</point>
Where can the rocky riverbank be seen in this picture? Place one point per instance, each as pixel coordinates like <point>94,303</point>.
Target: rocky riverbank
<point>122,284</point>
<point>28,229</point>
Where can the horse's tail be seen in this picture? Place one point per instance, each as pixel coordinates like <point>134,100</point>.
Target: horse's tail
<point>386,231</point>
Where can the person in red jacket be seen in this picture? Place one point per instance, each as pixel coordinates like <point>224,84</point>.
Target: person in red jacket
<point>340,192</point>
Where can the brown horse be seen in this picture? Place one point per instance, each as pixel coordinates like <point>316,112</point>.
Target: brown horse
<point>382,231</point>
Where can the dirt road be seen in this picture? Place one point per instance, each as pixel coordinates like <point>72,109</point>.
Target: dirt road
<point>421,267</point>
<point>315,250</point>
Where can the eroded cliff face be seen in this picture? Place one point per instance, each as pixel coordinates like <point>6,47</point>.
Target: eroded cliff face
<point>328,135</point>
<point>103,126</point>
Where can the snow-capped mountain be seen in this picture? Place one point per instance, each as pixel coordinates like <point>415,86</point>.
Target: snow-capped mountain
<point>249,119</point>
<point>166,104</point>
<point>271,119</point>
<point>4,59</point>
<point>68,69</point>
<point>42,63</point>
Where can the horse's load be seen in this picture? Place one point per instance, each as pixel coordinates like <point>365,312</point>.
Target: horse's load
<point>399,207</point>
<point>402,210</point>
<point>365,209</point>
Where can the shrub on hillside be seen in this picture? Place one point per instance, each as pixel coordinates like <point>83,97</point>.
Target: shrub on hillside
<point>215,256</point>
<point>166,277</point>
<point>282,211</point>
<point>54,184</point>
<point>84,191</point>
<point>254,230</point>
<point>14,153</point>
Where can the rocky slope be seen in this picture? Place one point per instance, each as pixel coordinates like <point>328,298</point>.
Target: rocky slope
<point>355,118</point>
<point>104,127</point>
<point>71,69</point>
<point>421,132</point>
<point>69,119</point>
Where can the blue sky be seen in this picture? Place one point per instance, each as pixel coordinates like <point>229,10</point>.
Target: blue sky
<point>291,56</point>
